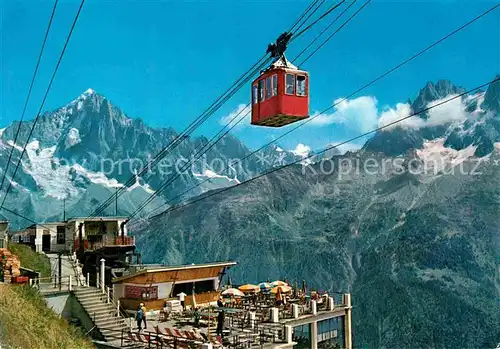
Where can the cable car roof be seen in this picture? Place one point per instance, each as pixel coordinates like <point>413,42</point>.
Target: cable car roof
<point>282,62</point>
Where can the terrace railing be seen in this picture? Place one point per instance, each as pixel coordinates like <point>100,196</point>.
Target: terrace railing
<point>105,241</point>
<point>53,284</point>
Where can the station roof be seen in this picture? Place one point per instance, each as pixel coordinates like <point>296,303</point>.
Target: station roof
<point>97,219</point>
<point>162,269</point>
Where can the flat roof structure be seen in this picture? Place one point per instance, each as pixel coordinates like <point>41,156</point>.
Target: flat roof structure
<point>168,269</point>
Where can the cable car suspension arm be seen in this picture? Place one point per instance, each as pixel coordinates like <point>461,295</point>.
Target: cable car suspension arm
<point>278,48</point>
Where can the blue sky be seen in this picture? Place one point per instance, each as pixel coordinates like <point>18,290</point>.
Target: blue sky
<point>166,61</point>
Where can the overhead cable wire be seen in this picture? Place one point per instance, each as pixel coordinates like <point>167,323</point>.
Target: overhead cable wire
<point>29,92</point>
<point>308,8</point>
<point>147,201</point>
<point>249,74</point>
<point>44,99</point>
<point>310,14</point>
<point>216,192</point>
<point>393,69</point>
<point>334,7</point>
<point>26,218</point>
<point>180,138</point>
<point>197,122</point>
<point>324,30</point>
<point>335,32</point>
<point>345,23</point>
<point>210,144</point>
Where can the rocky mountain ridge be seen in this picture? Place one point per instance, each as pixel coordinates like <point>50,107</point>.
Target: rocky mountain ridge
<point>83,151</point>
<point>414,236</point>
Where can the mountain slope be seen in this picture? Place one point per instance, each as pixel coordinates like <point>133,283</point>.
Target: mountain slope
<point>415,239</point>
<point>418,253</point>
<point>88,148</point>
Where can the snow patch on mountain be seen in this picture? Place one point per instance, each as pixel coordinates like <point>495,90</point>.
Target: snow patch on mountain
<point>49,175</point>
<point>211,175</point>
<point>138,184</point>
<point>437,157</point>
<point>2,130</point>
<point>79,100</point>
<point>478,98</point>
<point>97,177</point>
<point>72,138</point>
<point>12,144</point>
<point>55,178</point>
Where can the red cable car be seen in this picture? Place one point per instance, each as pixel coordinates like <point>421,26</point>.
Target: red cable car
<point>280,95</point>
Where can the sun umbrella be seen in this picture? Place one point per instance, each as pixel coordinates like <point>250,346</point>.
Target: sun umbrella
<point>249,288</point>
<point>284,289</point>
<point>279,283</point>
<point>232,292</point>
<point>265,286</point>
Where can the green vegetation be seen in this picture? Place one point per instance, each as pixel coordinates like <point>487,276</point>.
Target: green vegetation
<point>30,259</point>
<point>27,322</point>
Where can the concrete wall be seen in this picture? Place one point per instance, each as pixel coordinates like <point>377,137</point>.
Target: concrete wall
<point>68,307</point>
<point>59,303</point>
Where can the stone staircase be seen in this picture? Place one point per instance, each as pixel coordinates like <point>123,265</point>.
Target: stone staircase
<point>103,314</point>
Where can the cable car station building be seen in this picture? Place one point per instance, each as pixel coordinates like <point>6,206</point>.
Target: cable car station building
<point>155,284</point>
<point>67,236</point>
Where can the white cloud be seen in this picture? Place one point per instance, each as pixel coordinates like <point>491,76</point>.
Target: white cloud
<point>358,114</point>
<point>301,150</point>
<point>451,111</point>
<point>241,111</point>
<point>363,115</point>
<point>344,148</point>
<point>402,110</point>
<point>443,114</point>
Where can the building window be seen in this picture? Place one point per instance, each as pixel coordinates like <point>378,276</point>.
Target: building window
<point>290,84</point>
<point>261,90</point>
<point>268,87</point>
<point>61,235</point>
<point>255,94</point>
<point>301,336</point>
<point>140,292</point>
<point>301,85</point>
<point>275,85</point>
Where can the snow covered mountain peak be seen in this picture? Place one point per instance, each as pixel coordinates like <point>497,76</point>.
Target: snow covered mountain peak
<point>89,91</point>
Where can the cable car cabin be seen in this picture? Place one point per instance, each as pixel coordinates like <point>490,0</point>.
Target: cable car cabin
<point>280,95</point>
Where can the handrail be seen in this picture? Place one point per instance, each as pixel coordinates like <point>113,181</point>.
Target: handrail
<point>149,337</point>
<point>120,314</point>
<point>66,281</point>
<point>77,269</point>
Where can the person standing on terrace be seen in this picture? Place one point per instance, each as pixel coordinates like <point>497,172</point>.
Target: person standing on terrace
<point>279,297</point>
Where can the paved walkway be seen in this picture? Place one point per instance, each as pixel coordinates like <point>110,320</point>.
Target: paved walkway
<point>66,266</point>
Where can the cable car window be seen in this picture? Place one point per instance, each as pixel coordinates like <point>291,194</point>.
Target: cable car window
<point>255,93</point>
<point>268,87</point>
<point>301,85</point>
<point>261,90</point>
<point>275,85</point>
<point>290,84</point>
